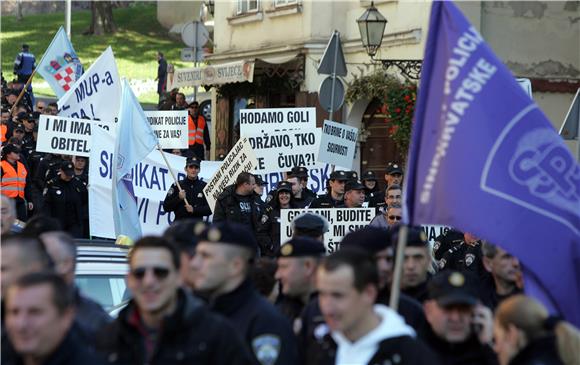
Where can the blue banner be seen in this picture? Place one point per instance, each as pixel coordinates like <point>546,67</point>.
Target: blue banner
<point>486,160</point>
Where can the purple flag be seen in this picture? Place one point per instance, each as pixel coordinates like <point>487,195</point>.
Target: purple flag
<point>485,159</point>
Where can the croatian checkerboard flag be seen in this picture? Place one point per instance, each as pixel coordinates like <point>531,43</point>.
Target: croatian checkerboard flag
<point>485,159</point>
<point>135,140</point>
<point>60,66</point>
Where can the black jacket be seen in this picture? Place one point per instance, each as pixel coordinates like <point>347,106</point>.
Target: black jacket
<point>195,197</point>
<point>227,208</point>
<point>326,201</point>
<point>64,200</point>
<point>542,351</point>
<point>191,335</point>
<point>71,351</point>
<point>267,332</point>
<point>470,352</point>
<point>90,316</point>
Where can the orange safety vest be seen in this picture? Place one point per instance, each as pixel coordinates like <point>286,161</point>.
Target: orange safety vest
<point>4,129</point>
<point>13,181</point>
<point>195,133</point>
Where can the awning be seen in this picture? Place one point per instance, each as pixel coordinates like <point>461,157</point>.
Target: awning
<point>225,73</point>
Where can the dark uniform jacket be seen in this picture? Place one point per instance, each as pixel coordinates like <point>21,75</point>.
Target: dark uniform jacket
<point>64,201</point>
<point>326,201</point>
<point>90,317</point>
<point>419,292</point>
<point>267,332</point>
<point>465,258</point>
<point>195,197</point>
<point>191,335</point>
<point>229,205</point>
<point>71,351</point>
<point>470,352</point>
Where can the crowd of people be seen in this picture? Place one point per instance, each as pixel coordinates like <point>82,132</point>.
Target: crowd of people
<point>230,292</point>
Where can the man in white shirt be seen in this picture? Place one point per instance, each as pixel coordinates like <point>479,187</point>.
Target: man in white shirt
<point>363,332</point>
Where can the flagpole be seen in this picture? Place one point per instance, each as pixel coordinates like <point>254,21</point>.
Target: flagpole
<point>396,286</point>
<point>171,172</point>
<point>22,91</point>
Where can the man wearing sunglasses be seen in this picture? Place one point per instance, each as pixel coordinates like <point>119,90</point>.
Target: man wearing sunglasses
<point>189,201</point>
<point>163,324</point>
<point>223,261</point>
<point>390,218</point>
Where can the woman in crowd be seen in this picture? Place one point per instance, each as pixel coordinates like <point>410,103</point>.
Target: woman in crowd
<point>282,199</point>
<point>525,334</point>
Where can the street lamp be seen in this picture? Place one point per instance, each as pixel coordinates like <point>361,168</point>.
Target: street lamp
<point>372,27</point>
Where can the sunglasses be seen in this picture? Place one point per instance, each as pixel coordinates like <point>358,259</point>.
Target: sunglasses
<point>395,217</point>
<point>160,273</point>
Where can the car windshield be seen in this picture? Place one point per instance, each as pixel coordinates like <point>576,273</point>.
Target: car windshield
<point>108,291</point>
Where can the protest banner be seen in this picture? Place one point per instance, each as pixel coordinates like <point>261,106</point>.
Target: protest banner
<point>240,159</point>
<point>342,221</point>
<point>269,120</point>
<point>170,127</point>
<point>68,136</point>
<point>239,71</point>
<point>433,231</point>
<point>337,144</point>
<point>151,181</point>
<point>97,94</point>
<point>281,151</point>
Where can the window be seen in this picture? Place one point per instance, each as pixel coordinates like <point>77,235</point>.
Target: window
<point>247,6</point>
<point>284,2</point>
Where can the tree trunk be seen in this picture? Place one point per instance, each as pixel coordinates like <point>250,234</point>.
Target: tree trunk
<point>19,16</point>
<point>101,18</point>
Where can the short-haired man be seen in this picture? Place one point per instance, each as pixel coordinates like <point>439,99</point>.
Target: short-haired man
<point>89,315</point>
<point>505,277</point>
<point>163,324</point>
<point>364,332</point>
<point>39,318</point>
<point>198,135</point>
<point>302,173</point>
<point>354,195</point>
<point>335,194</point>
<point>238,203</point>
<point>460,330</point>
<point>14,180</point>
<point>297,263</point>
<point>393,195</point>
<point>300,199</point>
<point>188,200</point>
<point>390,218</point>
<point>223,262</point>
<point>416,264</point>
<point>393,175</point>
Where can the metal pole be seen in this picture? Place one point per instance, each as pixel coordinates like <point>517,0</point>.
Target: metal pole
<point>67,18</point>
<point>196,24</point>
<point>331,111</point>
<point>396,287</point>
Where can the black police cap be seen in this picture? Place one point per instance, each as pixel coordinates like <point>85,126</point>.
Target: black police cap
<point>68,168</point>
<point>185,233</point>
<point>19,127</point>
<point>22,116</point>
<point>298,171</point>
<point>231,234</point>
<point>370,239</point>
<point>301,247</point>
<point>416,237</point>
<point>9,148</point>
<point>453,288</point>
<point>369,175</point>
<point>284,186</point>
<point>353,185</point>
<point>352,175</point>
<point>310,223</point>
<point>338,175</point>
<point>393,168</point>
<point>193,161</point>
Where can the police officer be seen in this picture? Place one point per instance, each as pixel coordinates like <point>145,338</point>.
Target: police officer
<point>393,175</point>
<point>354,195</point>
<point>64,197</point>
<point>310,225</point>
<point>14,180</point>
<point>223,262</point>
<point>297,263</point>
<point>300,199</point>
<point>301,173</point>
<point>270,222</point>
<point>189,201</point>
<point>335,195</point>
<point>369,180</point>
<point>460,329</point>
<point>24,64</point>
<point>466,256</point>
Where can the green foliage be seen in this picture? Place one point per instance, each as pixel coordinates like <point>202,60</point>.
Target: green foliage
<point>135,44</point>
<point>398,103</point>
